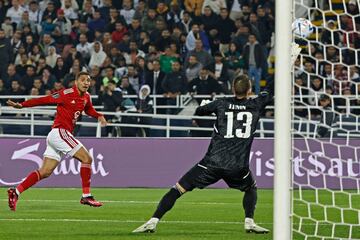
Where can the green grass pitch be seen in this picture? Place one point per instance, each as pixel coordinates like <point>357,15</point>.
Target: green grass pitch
<point>202,214</point>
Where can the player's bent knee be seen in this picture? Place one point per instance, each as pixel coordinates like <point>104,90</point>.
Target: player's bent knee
<point>180,188</point>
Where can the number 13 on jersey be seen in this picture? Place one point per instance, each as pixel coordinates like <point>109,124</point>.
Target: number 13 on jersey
<point>245,117</point>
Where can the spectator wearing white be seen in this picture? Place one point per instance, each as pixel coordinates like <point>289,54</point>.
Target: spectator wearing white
<point>185,22</point>
<point>127,11</point>
<point>62,22</point>
<point>8,27</point>
<point>84,47</point>
<point>25,21</point>
<point>15,12</point>
<point>43,4</point>
<point>35,14</point>
<point>70,9</point>
<point>215,5</point>
<point>70,3</point>
<point>98,56</point>
<point>52,56</point>
<point>235,9</point>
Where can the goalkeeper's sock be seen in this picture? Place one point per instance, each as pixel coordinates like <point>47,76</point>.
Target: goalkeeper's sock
<point>166,203</point>
<point>30,180</point>
<point>249,202</point>
<point>85,173</point>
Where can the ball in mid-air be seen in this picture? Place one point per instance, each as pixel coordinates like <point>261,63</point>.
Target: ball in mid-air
<point>302,27</point>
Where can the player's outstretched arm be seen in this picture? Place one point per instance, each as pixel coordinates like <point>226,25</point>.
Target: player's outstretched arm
<point>14,104</point>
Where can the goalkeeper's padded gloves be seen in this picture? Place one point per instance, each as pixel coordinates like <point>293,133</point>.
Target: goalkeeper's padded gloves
<point>295,51</point>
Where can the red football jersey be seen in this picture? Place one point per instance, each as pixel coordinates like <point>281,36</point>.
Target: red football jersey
<point>70,106</point>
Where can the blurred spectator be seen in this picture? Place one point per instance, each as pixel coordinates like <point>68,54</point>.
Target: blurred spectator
<point>52,57</point>
<point>135,52</point>
<point>84,47</point>
<point>185,23</point>
<point>327,117</point>
<point>28,79</point>
<point>125,87</point>
<point>49,11</point>
<point>127,11</point>
<point>15,12</point>
<point>193,68</point>
<point>166,60</point>
<point>209,20</point>
<point>233,60</point>
<point>226,28</point>
<point>60,69</point>
<point>118,34</point>
<point>219,71</point>
<point>38,84</point>
<point>6,53</point>
<point>155,78</point>
<point>234,7</point>
<point>135,30</point>
<point>194,7</point>
<point>11,76</point>
<point>174,84</point>
<point>97,55</point>
<point>204,84</point>
<point>140,9</point>
<point>253,59</point>
<point>330,35</point>
<point>133,78</point>
<point>48,79</point>
<point>63,28</point>
<point>25,21</point>
<point>215,5</point>
<point>148,22</point>
<point>8,27</point>
<point>70,7</point>
<point>196,34</point>
<point>96,23</point>
<point>35,14</point>
<point>201,55</point>
<point>86,13</point>
<point>109,76</point>
<point>104,9</point>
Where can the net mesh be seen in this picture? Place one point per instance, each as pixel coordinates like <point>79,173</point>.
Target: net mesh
<point>326,145</point>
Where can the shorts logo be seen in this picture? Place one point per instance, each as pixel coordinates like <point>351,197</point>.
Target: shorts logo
<point>73,101</point>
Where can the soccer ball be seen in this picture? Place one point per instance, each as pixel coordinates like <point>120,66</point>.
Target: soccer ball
<point>302,27</point>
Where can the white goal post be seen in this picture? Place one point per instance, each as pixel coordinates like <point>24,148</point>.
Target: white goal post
<point>282,144</point>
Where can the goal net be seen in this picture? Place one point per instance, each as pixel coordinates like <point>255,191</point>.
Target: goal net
<point>326,136</point>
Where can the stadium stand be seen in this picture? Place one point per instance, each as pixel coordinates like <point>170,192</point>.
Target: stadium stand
<point>44,44</point>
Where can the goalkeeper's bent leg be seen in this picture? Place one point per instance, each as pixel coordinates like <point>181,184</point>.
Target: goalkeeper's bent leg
<point>249,201</point>
<point>168,201</point>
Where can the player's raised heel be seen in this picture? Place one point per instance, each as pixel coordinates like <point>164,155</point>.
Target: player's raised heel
<point>251,227</point>
<point>90,201</point>
<point>148,227</point>
<point>13,198</point>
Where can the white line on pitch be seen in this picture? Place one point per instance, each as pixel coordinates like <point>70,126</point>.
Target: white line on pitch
<point>118,221</point>
<point>130,202</point>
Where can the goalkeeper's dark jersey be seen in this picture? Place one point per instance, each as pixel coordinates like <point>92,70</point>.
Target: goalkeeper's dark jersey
<point>233,131</point>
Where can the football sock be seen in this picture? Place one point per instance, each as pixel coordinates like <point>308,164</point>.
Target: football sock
<point>30,180</point>
<point>249,202</point>
<point>167,202</point>
<point>85,173</point>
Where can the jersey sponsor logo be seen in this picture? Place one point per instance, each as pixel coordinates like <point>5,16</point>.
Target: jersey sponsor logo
<point>55,95</point>
<point>69,90</point>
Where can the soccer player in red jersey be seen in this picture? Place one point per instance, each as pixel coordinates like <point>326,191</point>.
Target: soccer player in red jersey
<point>60,141</point>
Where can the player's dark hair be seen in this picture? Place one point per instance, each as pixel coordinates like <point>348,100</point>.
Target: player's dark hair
<point>82,73</point>
<point>241,85</point>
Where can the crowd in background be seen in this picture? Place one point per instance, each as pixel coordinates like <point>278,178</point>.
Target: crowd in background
<point>171,47</point>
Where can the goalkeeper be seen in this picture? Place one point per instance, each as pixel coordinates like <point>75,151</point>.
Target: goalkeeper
<point>227,157</point>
